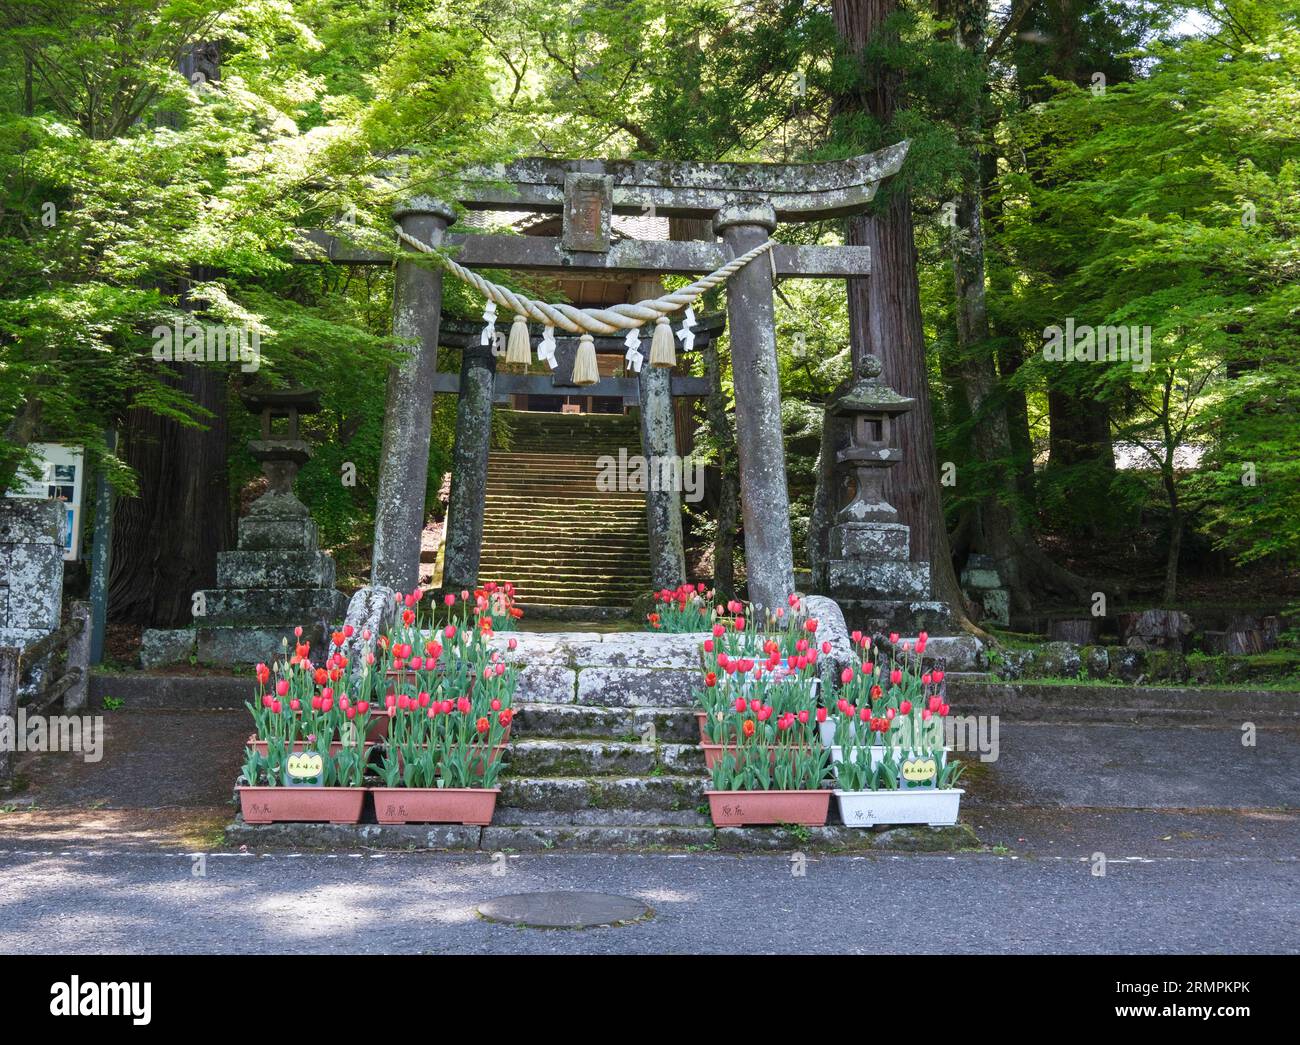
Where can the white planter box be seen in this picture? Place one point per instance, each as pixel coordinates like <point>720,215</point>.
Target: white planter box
<point>919,806</point>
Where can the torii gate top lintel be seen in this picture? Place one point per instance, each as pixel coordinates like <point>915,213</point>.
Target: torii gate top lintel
<point>796,191</point>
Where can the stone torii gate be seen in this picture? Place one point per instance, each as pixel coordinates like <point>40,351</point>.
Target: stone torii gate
<point>744,201</point>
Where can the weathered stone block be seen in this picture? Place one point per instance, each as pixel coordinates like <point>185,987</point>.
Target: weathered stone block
<point>243,645</point>
<point>907,617</point>
<point>239,606</point>
<point>1096,660</point>
<point>547,684</point>
<point>166,646</point>
<point>980,579</point>
<point>996,603</point>
<point>27,520</point>
<point>878,580</point>
<point>870,541</point>
<point>640,650</point>
<point>35,585</point>
<point>369,610</point>
<point>1058,659</point>
<point>31,565</point>
<point>629,687</point>
<point>279,568</point>
<point>261,533</point>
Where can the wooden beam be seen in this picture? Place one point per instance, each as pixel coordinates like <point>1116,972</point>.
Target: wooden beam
<point>667,257</point>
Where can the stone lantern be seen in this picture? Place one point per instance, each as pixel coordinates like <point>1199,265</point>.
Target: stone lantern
<point>281,455</point>
<point>871,407</point>
<point>277,578</point>
<point>869,570</point>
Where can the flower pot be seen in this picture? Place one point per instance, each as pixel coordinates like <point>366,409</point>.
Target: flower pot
<point>919,806</point>
<point>435,805</point>
<point>702,721</point>
<point>268,805</point>
<point>738,808</point>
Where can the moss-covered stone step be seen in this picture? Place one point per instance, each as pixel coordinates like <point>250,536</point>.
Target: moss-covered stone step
<point>675,725</point>
<point>507,817</point>
<point>609,687</point>
<point>573,551</point>
<point>554,793</point>
<point>599,757</point>
<point>574,575</point>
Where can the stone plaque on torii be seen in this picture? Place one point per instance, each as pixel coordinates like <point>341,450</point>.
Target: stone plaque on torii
<point>744,201</point>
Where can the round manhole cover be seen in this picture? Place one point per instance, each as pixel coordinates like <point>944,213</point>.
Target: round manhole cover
<point>564,910</point>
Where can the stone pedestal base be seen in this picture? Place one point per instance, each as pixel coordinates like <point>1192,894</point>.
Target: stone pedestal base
<point>274,581</point>
<point>904,617</point>
<point>877,579</point>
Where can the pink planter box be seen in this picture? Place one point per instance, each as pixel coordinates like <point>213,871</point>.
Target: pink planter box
<point>435,805</point>
<point>738,808</point>
<point>269,805</point>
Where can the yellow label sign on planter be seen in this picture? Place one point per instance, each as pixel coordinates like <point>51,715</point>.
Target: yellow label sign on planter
<point>304,769</point>
<point>919,770</point>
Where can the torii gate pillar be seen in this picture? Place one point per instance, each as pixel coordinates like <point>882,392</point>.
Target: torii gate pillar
<point>764,499</point>
<point>404,459</point>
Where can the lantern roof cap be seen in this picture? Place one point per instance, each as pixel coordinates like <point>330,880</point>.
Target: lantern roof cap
<point>304,400</point>
<point>868,395</point>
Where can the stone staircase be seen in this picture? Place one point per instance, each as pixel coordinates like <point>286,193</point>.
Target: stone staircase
<point>605,749</point>
<point>547,528</point>
<point>605,755</point>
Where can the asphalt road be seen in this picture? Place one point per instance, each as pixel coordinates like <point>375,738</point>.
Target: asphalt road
<point>1200,838</point>
<point>132,901</point>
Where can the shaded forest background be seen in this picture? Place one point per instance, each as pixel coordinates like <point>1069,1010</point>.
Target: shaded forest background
<point>1110,162</point>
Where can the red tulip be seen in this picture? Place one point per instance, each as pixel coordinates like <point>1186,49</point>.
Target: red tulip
<point>748,727</point>
<point>893,638</point>
<point>905,707</point>
<point>294,705</point>
<point>710,678</point>
<point>708,645</point>
<point>740,705</point>
<point>363,706</point>
<point>821,714</point>
<point>495,705</point>
<point>895,676</point>
<point>482,725</point>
